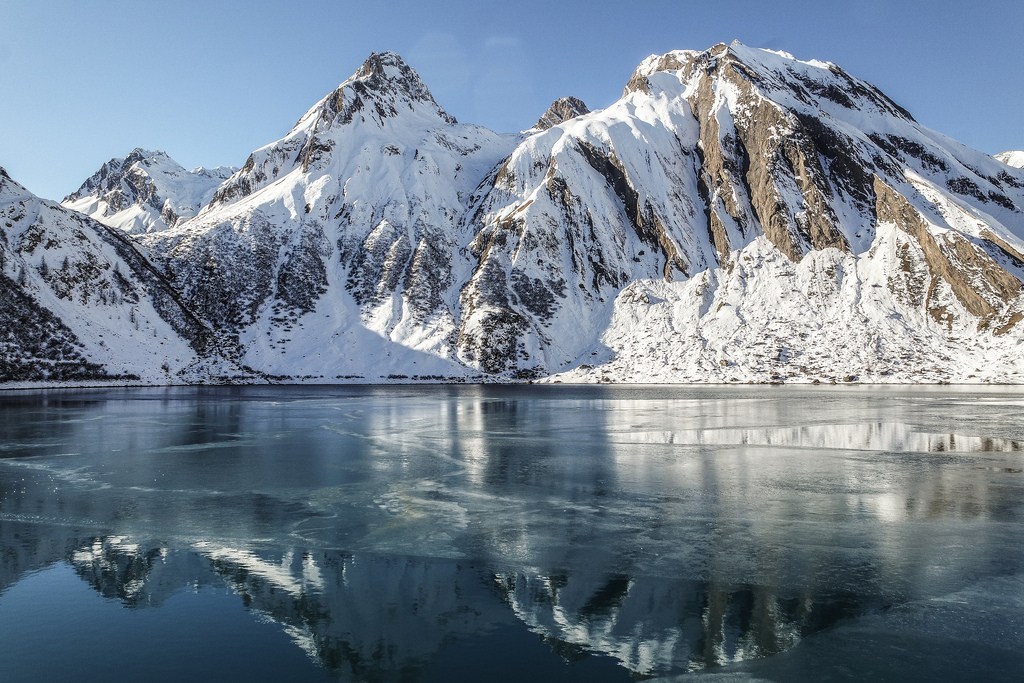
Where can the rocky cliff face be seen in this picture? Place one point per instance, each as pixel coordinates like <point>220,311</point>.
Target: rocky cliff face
<point>560,111</point>
<point>145,192</point>
<point>80,303</point>
<point>738,215</point>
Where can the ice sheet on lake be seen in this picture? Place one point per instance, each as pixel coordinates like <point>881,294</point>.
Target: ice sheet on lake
<point>666,530</point>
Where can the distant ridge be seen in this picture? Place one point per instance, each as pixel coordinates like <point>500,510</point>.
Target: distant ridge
<point>1012,158</point>
<point>145,192</point>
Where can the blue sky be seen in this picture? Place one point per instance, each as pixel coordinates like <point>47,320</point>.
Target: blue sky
<point>208,81</point>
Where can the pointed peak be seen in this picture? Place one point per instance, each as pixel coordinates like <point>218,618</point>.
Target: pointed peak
<point>387,71</point>
<point>111,174</point>
<point>223,172</point>
<point>11,187</point>
<point>711,59</point>
<point>384,85</point>
<point>116,165</point>
<point>560,111</point>
<point>139,154</point>
<point>773,73</point>
<point>378,64</point>
<point>5,180</point>
<point>142,152</point>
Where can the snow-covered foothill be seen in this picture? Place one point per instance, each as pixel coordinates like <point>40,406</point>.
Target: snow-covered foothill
<point>82,305</point>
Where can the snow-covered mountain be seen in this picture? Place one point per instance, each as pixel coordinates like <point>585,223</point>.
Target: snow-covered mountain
<point>738,215</point>
<point>337,250</point>
<point>78,302</point>
<point>145,192</point>
<point>1013,158</point>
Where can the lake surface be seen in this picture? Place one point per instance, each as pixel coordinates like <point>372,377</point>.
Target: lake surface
<point>512,533</point>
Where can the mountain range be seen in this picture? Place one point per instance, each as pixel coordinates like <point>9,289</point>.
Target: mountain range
<point>737,215</point>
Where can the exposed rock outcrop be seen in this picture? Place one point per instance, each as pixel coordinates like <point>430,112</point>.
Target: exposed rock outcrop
<point>560,111</point>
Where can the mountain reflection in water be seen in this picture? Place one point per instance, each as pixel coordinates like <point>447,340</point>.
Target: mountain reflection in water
<point>353,611</point>
<point>667,530</point>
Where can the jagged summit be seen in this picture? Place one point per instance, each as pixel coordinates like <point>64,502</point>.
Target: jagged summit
<point>670,61</point>
<point>380,89</point>
<point>145,191</point>
<point>377,64</point>
<point>11,190</point>
<point>222,172</point>
<point>385,98</point>
<point>110,173</point>
<point>560,111</point>
<point>778,75</point>
<point>388,71</point>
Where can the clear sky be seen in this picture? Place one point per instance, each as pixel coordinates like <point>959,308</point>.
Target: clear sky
<point>208,81</point>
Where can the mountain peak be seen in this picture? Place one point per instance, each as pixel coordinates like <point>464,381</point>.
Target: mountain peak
<point>670,61</point>
<point>806,84</point>
<point>139,153</point>
<point>9,187</point>
<point>388,73</point>
<point>384,82</point>
<point>560,111</point>
<point>378,65</point>
<point>112,172</point>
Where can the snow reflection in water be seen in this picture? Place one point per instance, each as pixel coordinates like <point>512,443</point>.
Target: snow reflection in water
<point>648,531</point>
<point>864,437</point>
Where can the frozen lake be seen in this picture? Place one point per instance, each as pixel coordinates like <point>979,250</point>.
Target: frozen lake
<point>512,533</point>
